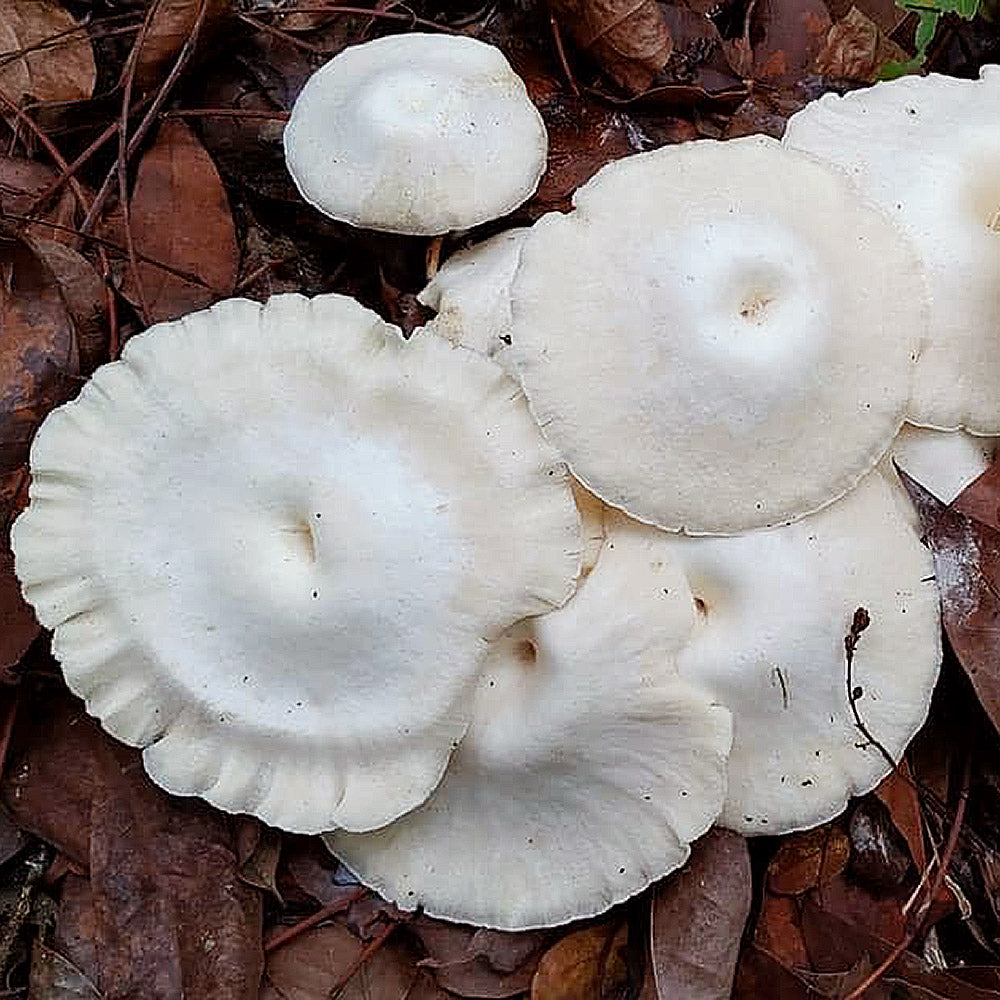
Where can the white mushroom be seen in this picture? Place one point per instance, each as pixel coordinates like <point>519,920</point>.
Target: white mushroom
<point>775,607</point>
<point>261,564</point>
<point>471,294</point>
<point>928,150</point>
<point>416,134</point>
<point>945,462</point>
<point>720,336</point>
<point>588,769</point>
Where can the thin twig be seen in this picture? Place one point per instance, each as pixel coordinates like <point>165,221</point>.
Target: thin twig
<point>152,115</point>
<point>103,244</point>
<point>226,113</point>
<point>79,162</point>
<point>82,200</point>
<point>557,41</point>
<point>369,950</point>
<point>330,910</point>
<point>386,15</point>
<point>935,888</point>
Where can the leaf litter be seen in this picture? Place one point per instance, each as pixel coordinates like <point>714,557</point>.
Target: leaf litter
<point>124,891</point>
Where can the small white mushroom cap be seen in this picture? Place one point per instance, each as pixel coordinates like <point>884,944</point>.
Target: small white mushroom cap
<point>775,607</point>
<point>720,336</point>
<point>928,150</point>
<point>471,294</point>
<point>943,461</point>
<point>588,769</point>
<point>263,566</point>
<point>416,134</point>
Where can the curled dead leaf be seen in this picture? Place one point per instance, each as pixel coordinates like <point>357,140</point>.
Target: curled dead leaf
<point>629,39</point>
<point>856,49</point>
<point>58,61</point>
<point>21,182</point>
<point>587,964</point>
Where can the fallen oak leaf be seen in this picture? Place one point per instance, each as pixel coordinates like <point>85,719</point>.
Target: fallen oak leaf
<point>697,918</point>
<point>18,626</point>
<point>57,63</point>
<point>966,556</point>
<point>38,351</point>
<point>629,39</point>
<point>807,859</point>
<point>586,964</point>
<point>180,216</point>
<point>981,498</point>
<point>21,182</point>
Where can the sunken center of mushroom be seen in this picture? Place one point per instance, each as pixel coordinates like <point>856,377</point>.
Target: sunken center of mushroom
<point>300,537</point>
<point>759,295</point>
<point>408,101</point>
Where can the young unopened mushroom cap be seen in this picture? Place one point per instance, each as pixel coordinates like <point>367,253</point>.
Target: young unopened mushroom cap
<point>471,294</point>
<point>720,336</point>
<point>928,150</point>
<point>263,563</point>
<point>416,134</point>
<point>587,770</point>
<point>774,609</point>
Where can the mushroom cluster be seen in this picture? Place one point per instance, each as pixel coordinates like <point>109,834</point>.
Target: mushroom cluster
<point>543,592</point>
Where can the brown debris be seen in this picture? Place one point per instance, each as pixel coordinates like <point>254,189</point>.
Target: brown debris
<point>629,39</point>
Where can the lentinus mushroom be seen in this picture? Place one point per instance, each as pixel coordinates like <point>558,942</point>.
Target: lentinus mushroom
<point>417,134</point>
<point>720,336</point>
<point>262,565</point>
<point>927,150</point>
<point>589,765</point>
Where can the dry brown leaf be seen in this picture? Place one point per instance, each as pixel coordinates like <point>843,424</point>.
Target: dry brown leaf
<point>697,918</point>
<point>981,498</point>
<point>308,967</point>
<point>791,34</point>
<point>258,850</point>
<point>21,181</point>
<point>967,567</point>
<point>61,71</point>
<point>48,781</point>
<point>808,859</point>
<point>856,49</point>
<point>584,965</point>
<point>83,290</point>
<point>629,39</point>
<point>778,931</point>
<point>761,974</point>
<point>54,977</point>
<point>900,797</point>
<point>38,354</point>
<point>172,917</point>
<point>479,962</point>
<point>18,626</point>
<point>180,217</point>
<point>173,21</point>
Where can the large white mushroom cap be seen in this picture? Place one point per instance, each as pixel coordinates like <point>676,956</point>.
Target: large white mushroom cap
<point>775,608</point>
<point>588,768</point>
<point>928,150</point>
<point>416,134</point>
<point>272,542</point>
<point>720,336</point>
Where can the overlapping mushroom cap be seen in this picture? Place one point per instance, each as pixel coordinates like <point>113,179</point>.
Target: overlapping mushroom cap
<point>720,336</point>
<point>471,294</point>
<point>928,150</point>
<point>587,770</point>
<point>261,564</point>
<point>774,609</point>
<point>416,134</point>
